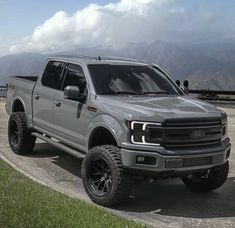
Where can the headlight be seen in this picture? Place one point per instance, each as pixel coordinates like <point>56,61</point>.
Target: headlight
<point>145,133</point>
<point>225,124</point>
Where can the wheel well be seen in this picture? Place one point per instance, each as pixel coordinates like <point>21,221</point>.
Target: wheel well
<point>101,136</point>
<point>18,106</point>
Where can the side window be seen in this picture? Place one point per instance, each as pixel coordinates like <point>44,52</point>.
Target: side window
<point>75,77</point>
<point>52,74</point>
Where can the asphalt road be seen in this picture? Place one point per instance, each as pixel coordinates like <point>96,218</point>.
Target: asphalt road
<point>164,204</point>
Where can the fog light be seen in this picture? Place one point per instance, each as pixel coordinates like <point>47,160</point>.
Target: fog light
<point>140,159</point>
<point>146,160</point>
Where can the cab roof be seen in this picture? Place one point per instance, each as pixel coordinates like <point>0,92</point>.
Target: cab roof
<point>99,60</point>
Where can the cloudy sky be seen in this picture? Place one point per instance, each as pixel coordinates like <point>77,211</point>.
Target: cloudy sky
<point>41,26</point>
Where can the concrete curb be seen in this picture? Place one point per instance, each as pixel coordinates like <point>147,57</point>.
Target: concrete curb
<point>21,171</point>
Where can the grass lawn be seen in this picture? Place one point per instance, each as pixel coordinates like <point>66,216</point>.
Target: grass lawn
<point>24,203</point>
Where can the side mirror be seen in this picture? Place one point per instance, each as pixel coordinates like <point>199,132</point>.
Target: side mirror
<point>186,87</point>
<point>177,82</point>
<point>72,93</point>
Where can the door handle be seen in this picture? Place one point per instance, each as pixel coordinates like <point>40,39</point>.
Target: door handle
<point>57,103</point>
<point>36,96</point>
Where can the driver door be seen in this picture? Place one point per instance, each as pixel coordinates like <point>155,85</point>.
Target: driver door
<point>70,116</point>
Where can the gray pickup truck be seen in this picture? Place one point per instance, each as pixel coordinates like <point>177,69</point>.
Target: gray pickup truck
<point>127,119</point>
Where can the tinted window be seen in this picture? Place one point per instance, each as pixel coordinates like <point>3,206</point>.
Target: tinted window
<point>114,79</point>
<point>75,77</point>
<point>52,74</point>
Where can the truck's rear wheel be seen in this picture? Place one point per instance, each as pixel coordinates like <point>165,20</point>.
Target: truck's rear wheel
<point>19,136</point>
<point>208,180</point>
<point>104,177</point>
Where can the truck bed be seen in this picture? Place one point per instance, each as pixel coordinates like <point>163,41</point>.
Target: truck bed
<point>21,86</point>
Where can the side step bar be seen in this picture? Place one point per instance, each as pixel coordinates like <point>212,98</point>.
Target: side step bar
<point>59,145</point>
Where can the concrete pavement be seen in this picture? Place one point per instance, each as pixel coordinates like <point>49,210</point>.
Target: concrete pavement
<point>165,204</point>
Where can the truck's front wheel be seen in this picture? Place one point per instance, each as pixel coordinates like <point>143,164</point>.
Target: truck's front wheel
<point>104,177</point>
<point>19,136</point>
<point>208,180</point>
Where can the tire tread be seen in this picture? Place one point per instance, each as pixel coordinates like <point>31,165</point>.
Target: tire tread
<point>27,142</point>
<point>122,186</point>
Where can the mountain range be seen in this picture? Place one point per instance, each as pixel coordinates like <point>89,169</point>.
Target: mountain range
<point>206,66</point>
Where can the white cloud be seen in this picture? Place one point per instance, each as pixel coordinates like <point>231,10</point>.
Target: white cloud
<point>113,24</point>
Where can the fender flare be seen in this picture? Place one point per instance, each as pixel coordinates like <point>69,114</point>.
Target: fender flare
<point>106,121</point>
<point>17,98</point>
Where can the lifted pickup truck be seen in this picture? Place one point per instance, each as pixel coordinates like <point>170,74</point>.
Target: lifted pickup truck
<point>126,118</point>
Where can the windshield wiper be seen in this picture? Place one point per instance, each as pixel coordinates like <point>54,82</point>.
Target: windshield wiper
<point>120,92</point>
<point>153,92</point>
<point>127,92</point>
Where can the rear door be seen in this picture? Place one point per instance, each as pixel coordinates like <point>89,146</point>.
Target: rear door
<point>44,94</point>
<point>71,116</point>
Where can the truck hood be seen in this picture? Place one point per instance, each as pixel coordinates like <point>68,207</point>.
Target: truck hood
<point>159,108</point>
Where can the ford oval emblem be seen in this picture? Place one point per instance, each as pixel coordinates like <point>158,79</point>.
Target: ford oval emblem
<point>197,134</point>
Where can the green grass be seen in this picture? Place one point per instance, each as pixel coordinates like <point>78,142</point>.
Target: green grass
<point>24,203</point>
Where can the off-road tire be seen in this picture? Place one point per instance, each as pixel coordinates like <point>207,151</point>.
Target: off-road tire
<point>121,181</point>
<point>215,179</point>
<point>25,142</point>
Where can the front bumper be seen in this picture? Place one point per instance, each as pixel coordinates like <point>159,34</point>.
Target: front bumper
<point>154,161</point>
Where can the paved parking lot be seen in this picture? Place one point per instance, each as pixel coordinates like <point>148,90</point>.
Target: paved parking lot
<point>164,204</point>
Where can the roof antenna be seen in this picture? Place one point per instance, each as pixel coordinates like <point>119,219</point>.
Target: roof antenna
<point>99,58</point>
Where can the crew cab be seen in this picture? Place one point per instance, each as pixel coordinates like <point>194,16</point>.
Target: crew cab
<point>127,120</point>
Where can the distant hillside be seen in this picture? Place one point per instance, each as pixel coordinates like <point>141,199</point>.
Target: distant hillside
<point>23,64</point>
<point>212,68</point>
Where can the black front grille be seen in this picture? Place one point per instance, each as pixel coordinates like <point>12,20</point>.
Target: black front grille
<point>199,122</point>
<point>186,133</point>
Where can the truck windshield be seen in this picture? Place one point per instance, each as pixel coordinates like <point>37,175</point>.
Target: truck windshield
<point>130,80</point>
